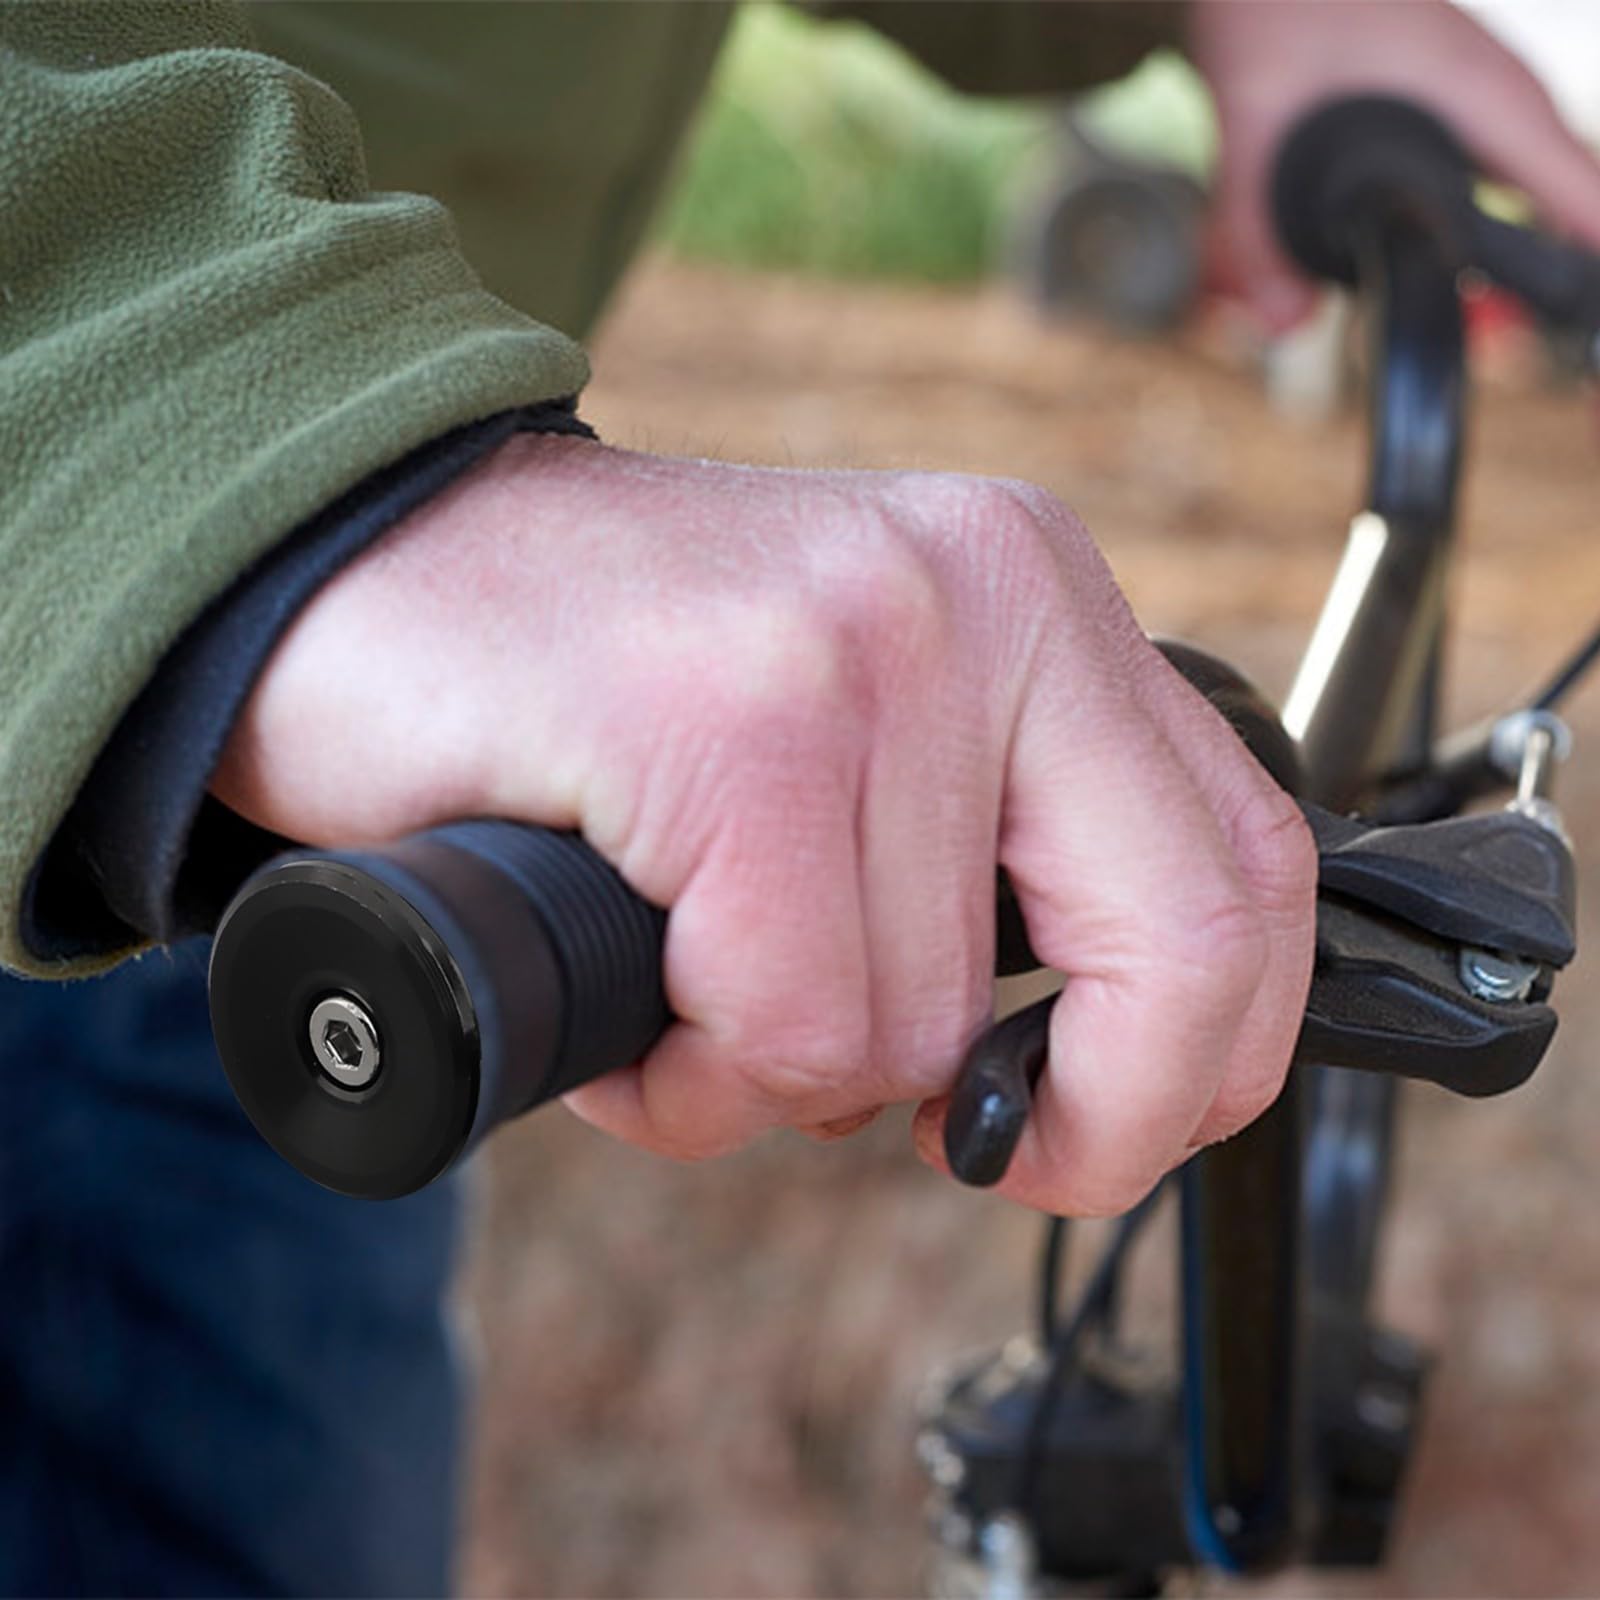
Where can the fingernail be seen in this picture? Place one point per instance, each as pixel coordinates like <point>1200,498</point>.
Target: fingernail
<point>842,1127</point>
<point>927,1130</point>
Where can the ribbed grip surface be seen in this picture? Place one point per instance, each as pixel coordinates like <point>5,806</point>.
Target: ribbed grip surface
<point>606,939</point>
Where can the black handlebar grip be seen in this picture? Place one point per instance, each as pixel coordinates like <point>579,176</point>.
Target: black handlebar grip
<point>1368,157</point>
<point>378,1011</point>
<point>1558,282</point>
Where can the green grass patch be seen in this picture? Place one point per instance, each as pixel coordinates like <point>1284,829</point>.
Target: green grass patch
<point>824,149</point>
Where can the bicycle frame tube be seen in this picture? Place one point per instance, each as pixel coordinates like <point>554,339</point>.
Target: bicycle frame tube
<point>1378,709</point>
<point>1363,700</point>
<point>1355,704</point>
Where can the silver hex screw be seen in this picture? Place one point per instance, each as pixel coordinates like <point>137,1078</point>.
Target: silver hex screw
<point>1498,979</point>
<point>344,1040</point>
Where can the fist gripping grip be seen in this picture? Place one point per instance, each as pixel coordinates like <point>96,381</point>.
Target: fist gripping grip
<point>379,1011</point>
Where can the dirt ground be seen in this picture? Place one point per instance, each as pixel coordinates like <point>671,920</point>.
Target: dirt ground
<point>701,1381</point>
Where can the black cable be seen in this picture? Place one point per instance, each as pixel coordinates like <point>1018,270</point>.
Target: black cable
<point>1462,770</point>
<point>1573,669</point>
<point>1098,1297</point>
<point>1052,1258</point>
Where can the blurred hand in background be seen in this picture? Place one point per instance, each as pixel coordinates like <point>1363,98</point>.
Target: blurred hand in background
<point>1270,63</point>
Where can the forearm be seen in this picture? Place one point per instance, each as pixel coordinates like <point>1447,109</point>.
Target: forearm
<point>1020,47</point>
<point>211,331</point>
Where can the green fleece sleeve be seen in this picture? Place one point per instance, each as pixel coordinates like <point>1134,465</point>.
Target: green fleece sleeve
<point>1001,47</point>
<point>209,329</point>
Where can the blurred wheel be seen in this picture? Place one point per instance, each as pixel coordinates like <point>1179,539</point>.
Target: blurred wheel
<point>1114,242</point>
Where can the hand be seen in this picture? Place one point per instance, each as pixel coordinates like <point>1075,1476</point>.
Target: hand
<point>1271,61</point>
<point>808,712</point>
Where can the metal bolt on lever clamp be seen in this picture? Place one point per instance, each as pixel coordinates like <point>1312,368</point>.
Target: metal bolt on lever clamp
<point>1511,735</point>
<point>1498,979</point>
<point>1534,743</point>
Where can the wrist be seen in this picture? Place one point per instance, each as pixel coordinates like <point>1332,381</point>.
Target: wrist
<point>378,709</point>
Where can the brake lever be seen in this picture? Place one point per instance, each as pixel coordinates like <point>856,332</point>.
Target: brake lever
<point>994,1093</point>
<point>1436,943</point>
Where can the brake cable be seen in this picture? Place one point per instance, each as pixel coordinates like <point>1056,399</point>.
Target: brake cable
<point>1573,669</point>
<point>1095,1308</point>
<point>1470,765</point>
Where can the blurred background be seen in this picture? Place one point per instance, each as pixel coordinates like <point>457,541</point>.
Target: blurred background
<point>703,1380</point>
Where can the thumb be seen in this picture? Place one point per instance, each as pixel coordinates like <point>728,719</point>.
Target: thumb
<point>1246,263</point>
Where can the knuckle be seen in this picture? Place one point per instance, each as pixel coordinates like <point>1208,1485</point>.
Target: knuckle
<point>1047,538</point>
<point>983,513</point>
<point>1278,849</point>
<point>805,1064</point>
<point>1026,566</point>
<point>1045,558</point>
<point>787,655</point>
<point>1020,525</point>
<point>1227,938</point>
<point>1043,513</point>
<point>883,596</point>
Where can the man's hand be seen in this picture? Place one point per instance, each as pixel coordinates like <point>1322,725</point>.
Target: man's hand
<point>809,712</point>
<point>1271,61</point>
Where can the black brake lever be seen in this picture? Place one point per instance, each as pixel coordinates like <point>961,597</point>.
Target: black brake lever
<point>1435,947</point>
<point>994,1093</point>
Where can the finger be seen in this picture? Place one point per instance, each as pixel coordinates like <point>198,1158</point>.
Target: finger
<point>841,1127</point>
<point>1502,112</point>
<point>1249,262</point>
<point>927,1132</point>
<point>687,1101</point>
<point>928,854</point>
<point>1129,888</point>
<point>1536,152</point>
<point>1277,860</point>
<point>765,968</point>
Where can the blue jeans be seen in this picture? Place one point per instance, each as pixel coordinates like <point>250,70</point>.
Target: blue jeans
<point>215,1377</point>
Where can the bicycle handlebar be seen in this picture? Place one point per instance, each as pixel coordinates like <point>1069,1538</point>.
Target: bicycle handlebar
<point>379,1011</point>
<point>1367,161</point>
